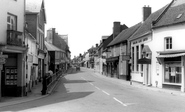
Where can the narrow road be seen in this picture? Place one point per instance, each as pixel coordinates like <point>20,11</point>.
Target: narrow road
<point>86,92</point>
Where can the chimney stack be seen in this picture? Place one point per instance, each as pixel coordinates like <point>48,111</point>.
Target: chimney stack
<point>146,12</point>
<point>96,45</point>
<point>116,29</point>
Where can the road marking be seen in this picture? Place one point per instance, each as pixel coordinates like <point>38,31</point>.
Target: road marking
<point>119,101</point>
<point>130,104</point>
<point>83,78</point>
<point>105,92</point>
<point>91,84</point>
<point>97,88</point>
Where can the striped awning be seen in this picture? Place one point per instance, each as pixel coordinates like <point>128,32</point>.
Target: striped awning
<point>171,55</point>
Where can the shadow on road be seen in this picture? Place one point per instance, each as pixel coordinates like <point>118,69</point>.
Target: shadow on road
<point>59,95</point>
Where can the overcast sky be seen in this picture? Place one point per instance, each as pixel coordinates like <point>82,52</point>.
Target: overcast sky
<point>86,21</point>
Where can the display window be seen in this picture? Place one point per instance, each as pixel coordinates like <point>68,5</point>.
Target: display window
<point>172,73</point>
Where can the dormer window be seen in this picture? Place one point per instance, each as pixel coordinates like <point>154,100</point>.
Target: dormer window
<point>168,43</point>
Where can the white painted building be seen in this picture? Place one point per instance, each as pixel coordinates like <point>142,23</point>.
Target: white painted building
<point>32,60</point>
<point>163,45</point>
<point>12,13</point>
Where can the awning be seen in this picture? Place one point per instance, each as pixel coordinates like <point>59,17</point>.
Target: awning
<point>112,59</point>
<point>170,55</point>
<point>144,61</point>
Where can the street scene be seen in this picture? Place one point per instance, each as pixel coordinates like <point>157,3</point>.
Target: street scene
<point>95,56</point>
<point>88,91</point>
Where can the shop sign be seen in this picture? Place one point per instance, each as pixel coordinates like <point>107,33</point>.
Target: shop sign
<point>125,57</point>
<point>3,56</point>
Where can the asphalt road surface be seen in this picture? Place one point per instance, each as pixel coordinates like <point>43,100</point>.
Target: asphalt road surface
<point>85,91</point>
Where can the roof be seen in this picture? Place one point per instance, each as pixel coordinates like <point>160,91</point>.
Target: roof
<point>107,41</point>
<point>51,47</point>
<point>125,34</point>
<point>175,14</point>
<point>33,6</point>
<point>147,24</point>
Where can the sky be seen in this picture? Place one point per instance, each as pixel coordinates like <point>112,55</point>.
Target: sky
<point>86,21</point>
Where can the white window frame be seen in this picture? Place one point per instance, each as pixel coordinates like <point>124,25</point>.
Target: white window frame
<point>168,43</point>
<point>11,22</point>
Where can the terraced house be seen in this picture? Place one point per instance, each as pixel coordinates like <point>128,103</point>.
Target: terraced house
<point>36,20</point>
<point>12,45</point>
<point>159,43</point>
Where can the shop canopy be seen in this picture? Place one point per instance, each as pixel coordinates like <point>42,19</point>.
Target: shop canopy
<point>170,55</point>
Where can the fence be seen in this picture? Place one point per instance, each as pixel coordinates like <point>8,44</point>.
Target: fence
<point>49,80</point>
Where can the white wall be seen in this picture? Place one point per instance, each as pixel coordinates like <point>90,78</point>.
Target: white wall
<point>177,34</point>
<point>13,7</point>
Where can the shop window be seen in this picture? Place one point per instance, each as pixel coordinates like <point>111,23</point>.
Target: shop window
<point>142,56</point>
<point>137,57</point>
<point>168,43</point>
<point>172,72</point>
<point>132,58</point>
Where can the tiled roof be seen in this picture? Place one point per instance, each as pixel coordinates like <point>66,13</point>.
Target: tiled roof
<point>175,14</point>
<point>51,47</point>
<point>107,41</point>
<point>33,6</point>
<point>147,24</point>
<point>125,34</point>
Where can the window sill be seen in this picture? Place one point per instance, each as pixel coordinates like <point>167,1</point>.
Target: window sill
<point>177,84</point>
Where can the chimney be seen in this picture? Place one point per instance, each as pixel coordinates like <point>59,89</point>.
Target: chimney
<point>116,29</point>
<point>146,12</point>
<point>96,45</point>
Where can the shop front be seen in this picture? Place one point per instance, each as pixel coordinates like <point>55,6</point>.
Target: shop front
<point>173,70</point>
<point>113,66</point>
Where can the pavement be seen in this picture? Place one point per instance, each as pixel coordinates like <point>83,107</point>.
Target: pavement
<point>36,91</point>
<point>33,95</point>
<point>136,84</point>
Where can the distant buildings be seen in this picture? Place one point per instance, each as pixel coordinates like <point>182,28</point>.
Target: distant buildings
<point>151,52</point>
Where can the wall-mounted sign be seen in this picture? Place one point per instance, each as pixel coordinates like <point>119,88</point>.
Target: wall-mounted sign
<point>125,57</point>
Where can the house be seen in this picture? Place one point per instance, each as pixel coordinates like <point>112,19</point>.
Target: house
<point>12,46</point>
<point>101,61</point>
<point>157,48</point>
<point>141,72</point>
<point>36,20</point>
<point>113,52</point>
<point>55,58</point>
<point>31,61</point>
<point>168,56</point>
<point>54,38</point>
<point>122,44</point>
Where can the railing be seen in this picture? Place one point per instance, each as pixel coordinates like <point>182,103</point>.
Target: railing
<point>14,38</point>
<point>49,80</point>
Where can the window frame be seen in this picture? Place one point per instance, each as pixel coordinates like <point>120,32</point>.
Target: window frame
<point>13,26</point>
<point>168,44</point>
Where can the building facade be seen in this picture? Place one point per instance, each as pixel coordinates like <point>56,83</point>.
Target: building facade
<point>12,44</point>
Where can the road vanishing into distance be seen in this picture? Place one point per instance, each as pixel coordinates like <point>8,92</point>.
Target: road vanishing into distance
<point>85,91</point>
